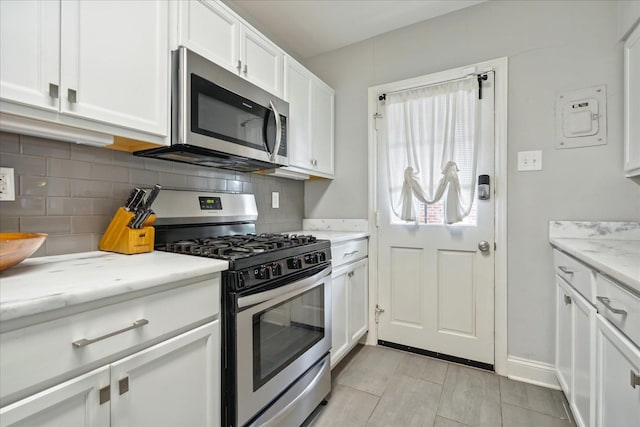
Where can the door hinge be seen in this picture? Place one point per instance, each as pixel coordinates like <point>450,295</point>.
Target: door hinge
<point>378,311</point>
<point>105,394</point>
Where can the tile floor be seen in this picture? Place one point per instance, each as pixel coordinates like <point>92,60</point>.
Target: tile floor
<point>379,386</point>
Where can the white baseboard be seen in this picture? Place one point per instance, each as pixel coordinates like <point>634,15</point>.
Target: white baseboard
<point>532,372</point>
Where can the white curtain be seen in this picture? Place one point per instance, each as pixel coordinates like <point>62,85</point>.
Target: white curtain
<point>431,137</point>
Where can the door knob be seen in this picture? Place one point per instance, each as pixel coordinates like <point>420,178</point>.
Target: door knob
<point>484,246</point>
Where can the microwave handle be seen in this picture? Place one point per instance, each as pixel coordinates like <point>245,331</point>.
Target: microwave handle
<point>278,133</point>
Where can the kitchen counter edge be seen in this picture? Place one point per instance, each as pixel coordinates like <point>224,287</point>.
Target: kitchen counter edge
<point>48,284</point>
<point>334,236</point>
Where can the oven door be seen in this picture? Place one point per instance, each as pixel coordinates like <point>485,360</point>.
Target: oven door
<point>281,333</point>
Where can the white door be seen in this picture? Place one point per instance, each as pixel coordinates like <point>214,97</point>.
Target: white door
<point>76,402</point>
<point>30,52</point>
<point>174,383</point>
<point>435,286</point>
<point>115,63</point>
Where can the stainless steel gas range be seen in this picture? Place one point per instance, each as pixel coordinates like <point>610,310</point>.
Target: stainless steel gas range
<point>276,299</point>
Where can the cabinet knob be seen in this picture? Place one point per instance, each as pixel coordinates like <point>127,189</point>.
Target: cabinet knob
<point>72,96</point>
<point>53,90</point>
<point>567,300</point>
<point>635,379</point>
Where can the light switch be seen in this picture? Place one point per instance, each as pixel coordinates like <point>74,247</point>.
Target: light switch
<point>275,199</point>
<point>530,160</point>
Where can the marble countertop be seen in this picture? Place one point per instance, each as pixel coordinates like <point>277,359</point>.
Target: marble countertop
<point>611,248</point>
<point>334,236</point>
<point>39,285</point>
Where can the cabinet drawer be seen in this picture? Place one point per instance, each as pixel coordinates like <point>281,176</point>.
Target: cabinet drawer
<point>619,306</point>
<point>41,355</point>
<point>348,252</point>
<point>578,275</point>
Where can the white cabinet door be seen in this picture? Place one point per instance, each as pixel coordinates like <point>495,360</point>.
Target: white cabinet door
<point>618,395</point>
<point>176,382</point>
<point>73,403</point>
<point>115,63</point>
<point>322,112</point>
<point>584,359</point>
<point>632,103</point>
<point>358,299</point>
<point>297,91</point>
<point>564,336</point>
<point>209,29</point>
<point>30,52</point>
<point>339,315</point>
<point>262,61</point>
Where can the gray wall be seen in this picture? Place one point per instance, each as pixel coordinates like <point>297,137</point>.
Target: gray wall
<point>71,191</point>
<point>552,47</point>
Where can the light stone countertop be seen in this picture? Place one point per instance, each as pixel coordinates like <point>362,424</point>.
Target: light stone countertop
<point>611,248</point>
<point>39,285</point>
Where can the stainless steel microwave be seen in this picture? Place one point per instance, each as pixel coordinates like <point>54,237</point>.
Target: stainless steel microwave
<point>221,120</point>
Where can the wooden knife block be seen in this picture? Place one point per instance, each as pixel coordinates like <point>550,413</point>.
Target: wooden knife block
<point>120,238</point>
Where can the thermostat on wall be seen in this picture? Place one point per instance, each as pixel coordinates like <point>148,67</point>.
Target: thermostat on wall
<point>581,118</point>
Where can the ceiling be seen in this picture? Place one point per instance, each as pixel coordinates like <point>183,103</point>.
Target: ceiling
<point>306,28</point>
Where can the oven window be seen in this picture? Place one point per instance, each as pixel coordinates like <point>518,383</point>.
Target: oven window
<point>284,332</point>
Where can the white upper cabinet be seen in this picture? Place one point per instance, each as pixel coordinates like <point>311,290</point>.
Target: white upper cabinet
<point>212,30</point>
<point>30,52</point>
<point>261,61</point>
<point>114,63</point>
<point>632,103</point>
<point>311,115</point>
<point>99,60</point>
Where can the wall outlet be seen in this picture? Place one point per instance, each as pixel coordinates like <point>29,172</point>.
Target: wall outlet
<point>275,199</point>
<point>530,160</point>
<point>7,184</point>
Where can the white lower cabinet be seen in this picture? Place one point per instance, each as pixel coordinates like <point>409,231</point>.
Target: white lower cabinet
<point>349,310</point>
<point>618,378</point>
<point>575,351</point>
<point>163,385</point>
<point>162,369</point>
<point>73,403</point>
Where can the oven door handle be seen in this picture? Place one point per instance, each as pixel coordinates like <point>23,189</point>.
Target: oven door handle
<point>297,286</point>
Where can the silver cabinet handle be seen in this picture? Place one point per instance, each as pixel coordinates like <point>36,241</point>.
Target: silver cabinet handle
<point>246,69</point>
<point>239,67</point>
<point>567,300</point>
<point>278,130</point>
<point>53,91</point>
<point>351,253</point>
<point>635,379</point>
<point>85,342</point>
<point>607,303</point>
<point>350,274</point>
<point>565,270</point>
<point>72,96</point>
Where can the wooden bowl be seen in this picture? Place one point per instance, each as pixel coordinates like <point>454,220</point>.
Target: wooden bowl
<point>15,247</point>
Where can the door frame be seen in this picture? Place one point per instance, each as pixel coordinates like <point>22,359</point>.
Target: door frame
<point>500,66</point>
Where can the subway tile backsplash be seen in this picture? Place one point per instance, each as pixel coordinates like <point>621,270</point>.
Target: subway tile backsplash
<point>70,191</point>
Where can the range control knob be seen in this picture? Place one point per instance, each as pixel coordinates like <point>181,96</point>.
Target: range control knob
<point>276,269</point>
<point>294,263</point>
<point>261,272</point>
<point>311,258</point>
<point>322,256</point>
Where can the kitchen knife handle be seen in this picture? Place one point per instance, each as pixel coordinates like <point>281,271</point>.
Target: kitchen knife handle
<point>131,198</point>
<point>152,196</point>
<point>85,341</point>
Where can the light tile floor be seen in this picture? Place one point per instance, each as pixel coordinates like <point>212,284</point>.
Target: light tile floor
<point>379,386</point>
